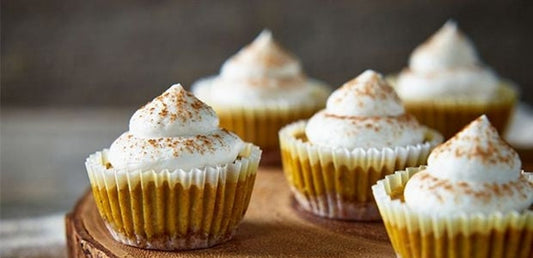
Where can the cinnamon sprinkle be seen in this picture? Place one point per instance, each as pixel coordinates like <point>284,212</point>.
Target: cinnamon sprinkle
<point>488,148</point>
<point>482,191</point>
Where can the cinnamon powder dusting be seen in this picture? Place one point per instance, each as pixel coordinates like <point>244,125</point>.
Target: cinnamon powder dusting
<point>271,54</point>
<point>296,80</point>
<point>186,107</point>
<point>482,192</point>
<point>405,121</point>
<point>374,88</point>
<point>152,142</point>
<point>486,146</point>
<point>201,144</point>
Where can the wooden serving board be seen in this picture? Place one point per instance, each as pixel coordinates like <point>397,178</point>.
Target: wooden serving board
<point>273,226</point>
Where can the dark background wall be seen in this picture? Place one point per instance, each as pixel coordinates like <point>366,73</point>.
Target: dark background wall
<point>122,53</point>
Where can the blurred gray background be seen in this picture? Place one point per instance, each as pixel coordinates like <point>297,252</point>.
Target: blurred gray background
<point>73,72</point>
<point>123,53</point>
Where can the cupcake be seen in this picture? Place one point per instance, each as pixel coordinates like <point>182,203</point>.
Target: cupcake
<point>446,85</point>
<point>472,200</point>
<point>363,134</point>
<point>259,90</point>
<point>175,180</point>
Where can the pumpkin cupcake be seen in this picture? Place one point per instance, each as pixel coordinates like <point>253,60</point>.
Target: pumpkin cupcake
<point>175,180</point>
<point>363,134</point>
<point>259,90</point>
<point>472,200</point>
<point>446,85</point>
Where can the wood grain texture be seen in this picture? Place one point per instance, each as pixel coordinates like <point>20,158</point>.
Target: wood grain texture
<point>273,226</point>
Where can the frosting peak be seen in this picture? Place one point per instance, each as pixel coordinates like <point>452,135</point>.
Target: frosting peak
<point>262,74</point>
<point>446,66</point>
<point>477,152</point>
<point>174,131</point>
<point>264,57</point>
<point>364,113</point>
<point>366,95</point>
<point>264,45</point>
<point>176,112</point>
<point>473,172</point>
<point>448,48</point>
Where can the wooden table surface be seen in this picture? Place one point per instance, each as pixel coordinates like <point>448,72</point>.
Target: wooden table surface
<point>272,226</point>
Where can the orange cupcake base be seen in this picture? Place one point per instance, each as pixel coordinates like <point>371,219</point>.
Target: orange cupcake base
<point>450,116</point>
<point>455,235</point>
<point>174,210</point>
<point>336,183</point>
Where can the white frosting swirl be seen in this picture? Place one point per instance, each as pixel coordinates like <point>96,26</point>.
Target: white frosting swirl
<point>364,113</point>
<point>448,48</point>
<point>174,131</point>
<point>475,171</point>
<point>263,58</point>
<point>447,65</point>
<point>261,72</point>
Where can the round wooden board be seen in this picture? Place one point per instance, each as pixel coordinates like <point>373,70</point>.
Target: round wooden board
<point>273,226</point>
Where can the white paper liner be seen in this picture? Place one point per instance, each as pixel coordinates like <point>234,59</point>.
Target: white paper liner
<point>174,210</point>
<point>259,122</point>
<point>455,235</point>
<point>335,182</point>
<point>448,115</point>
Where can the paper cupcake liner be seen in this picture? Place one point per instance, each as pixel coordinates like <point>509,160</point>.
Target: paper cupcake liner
<point>260,122</point>
<point>173,210</point>
<point>458,235</point>
<point>261,126</point>
<point>450,116</point>
<point>336,182</point>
